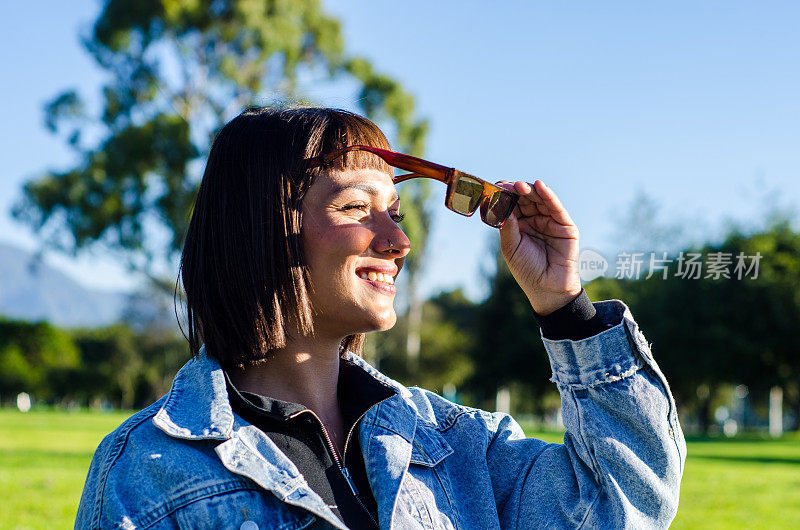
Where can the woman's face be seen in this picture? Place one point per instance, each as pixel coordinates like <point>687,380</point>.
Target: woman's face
<point>349,219</point>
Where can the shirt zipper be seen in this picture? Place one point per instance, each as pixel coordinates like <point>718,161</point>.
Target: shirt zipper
<point>340,463</point>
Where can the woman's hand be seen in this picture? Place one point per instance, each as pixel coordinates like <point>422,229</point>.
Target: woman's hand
<point>539,242</point>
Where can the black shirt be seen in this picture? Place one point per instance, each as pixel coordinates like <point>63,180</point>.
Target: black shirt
<point>300,435</point>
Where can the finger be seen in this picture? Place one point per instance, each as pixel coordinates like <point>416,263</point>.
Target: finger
<point>521,188</point>
<point>527,204</point>
<point>554,207</point>
<point>525,190</point>
<point>530,201</point>
<point>536,199</point>
<point>528,208</point>
<point>545,226</point>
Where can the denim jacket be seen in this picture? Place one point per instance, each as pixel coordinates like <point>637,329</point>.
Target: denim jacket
<point>188,462</point>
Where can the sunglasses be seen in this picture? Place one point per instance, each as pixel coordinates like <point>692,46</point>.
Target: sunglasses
<point>465,193</point>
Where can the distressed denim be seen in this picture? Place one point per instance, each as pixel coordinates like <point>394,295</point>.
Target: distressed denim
<point>188,462</point>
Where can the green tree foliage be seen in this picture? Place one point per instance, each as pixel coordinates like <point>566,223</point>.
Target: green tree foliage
<point>87,366</point>
<point>163,353</point>
<point>177,70</point>
<point>445,339</point>
<point>130,369</point>
<point>508,349</point>
<point>707,334</point>
<point>111,363</point>
<point>710,332</point>
<point>34,358</point>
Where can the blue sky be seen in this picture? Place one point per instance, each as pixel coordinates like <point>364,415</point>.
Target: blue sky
<point>695,104</point>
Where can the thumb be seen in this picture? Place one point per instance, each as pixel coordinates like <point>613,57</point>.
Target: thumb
<point>509,237</point>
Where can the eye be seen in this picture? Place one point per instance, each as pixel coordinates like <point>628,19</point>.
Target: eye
<point>356,206</point>
<point>397,217</point>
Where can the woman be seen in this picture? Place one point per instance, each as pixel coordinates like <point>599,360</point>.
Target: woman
<point>291,255</point>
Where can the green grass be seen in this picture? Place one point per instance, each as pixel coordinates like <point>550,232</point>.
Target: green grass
<point>747,482</point>
<point>739,483</point>
<point>44,457</point>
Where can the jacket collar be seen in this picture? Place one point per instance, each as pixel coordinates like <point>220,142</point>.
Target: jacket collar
<point>403,415</point>
<point>197,405</point>
<point>358,391</point>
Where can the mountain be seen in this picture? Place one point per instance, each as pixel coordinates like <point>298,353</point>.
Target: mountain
<point>32,290</point>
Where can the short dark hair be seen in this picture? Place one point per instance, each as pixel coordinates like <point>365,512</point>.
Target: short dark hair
<point>242,266</point>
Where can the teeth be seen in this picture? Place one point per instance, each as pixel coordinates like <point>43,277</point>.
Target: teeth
<point>376,277</point>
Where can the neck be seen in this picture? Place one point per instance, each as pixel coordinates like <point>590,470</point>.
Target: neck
<point>305,372</point>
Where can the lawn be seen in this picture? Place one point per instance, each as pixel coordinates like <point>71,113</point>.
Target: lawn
<point>737,483</point>
<point>44,457</point>
<point>748,482</point>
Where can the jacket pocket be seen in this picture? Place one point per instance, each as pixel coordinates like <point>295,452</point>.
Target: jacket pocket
<point>425,497</point>
<point>224,505</point>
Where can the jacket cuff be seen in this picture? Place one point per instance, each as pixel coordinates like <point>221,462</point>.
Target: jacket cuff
<point>575,321</point>
<point>602,358</point>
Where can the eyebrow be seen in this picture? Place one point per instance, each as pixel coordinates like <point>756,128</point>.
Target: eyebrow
<point>367,188</point>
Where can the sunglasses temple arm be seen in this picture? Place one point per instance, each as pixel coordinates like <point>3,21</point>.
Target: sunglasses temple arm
<point>433,175</point>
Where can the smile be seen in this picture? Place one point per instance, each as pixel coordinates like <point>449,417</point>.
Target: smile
<point>380,277</point>
<point>383,283</point>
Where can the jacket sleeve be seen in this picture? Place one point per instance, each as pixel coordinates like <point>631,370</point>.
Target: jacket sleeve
<point>622,458</point>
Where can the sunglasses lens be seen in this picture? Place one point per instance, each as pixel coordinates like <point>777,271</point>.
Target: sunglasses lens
<point>498,208</point>
<point>466,195</point>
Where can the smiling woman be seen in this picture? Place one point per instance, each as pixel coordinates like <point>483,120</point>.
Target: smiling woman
<point>277,421</point>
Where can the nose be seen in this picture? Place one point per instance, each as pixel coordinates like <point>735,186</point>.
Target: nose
<point>390,241</point>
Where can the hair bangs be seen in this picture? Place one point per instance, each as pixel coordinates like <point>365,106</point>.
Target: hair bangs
<point>345,129</point>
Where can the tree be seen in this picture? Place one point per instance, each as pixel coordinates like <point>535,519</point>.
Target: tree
<point>508,350</point>
<point>112,364</point>
<point>769,310</point>
<point>34,356</point>
<point>163,353</point>
<point>711,332</point>
<point>652,230</point>
<point>177,72</point>
<point>445,339</point>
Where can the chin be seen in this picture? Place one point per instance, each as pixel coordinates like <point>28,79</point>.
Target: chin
<point>389,322</point>
<point>381,322</point>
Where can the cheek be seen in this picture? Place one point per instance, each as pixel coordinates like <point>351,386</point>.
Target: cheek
<point>329,248</point>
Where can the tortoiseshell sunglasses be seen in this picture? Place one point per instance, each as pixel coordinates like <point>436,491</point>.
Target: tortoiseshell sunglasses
<point>465,193</point>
